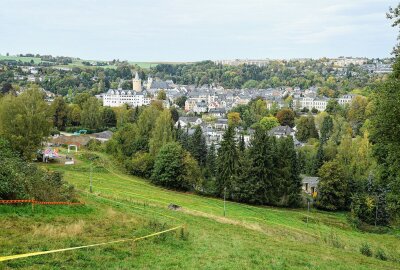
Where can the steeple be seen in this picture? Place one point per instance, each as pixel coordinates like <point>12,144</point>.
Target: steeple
<point>137,83</point>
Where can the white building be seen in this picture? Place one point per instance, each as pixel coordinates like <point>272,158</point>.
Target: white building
<point>116,98</point>
<point>320,104</point>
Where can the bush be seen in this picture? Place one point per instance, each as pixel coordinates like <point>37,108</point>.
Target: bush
<point>94,145</point>
<point>22,180</point>
<point>381,255</point>
<point>333,240</point>
<point>141,164</point>
<point>365,250</point>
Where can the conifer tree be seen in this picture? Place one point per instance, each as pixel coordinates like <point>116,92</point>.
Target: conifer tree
<point>242,145</point>
<point>198,147</point>
<point>288,173</point>
<point>263,181</point>
<point>227,161</point>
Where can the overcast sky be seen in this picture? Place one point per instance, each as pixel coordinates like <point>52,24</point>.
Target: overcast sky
<point>189,30</point>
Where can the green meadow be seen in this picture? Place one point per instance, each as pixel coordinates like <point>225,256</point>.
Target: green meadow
<point>123,206</point>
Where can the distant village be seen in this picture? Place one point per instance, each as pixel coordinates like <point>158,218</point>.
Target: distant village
<point>208,105</point>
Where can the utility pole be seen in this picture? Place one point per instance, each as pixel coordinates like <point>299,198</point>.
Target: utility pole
<point>308,209</point>
<point>376,209</point>
<point>224,201</point>
<point>91,172</point>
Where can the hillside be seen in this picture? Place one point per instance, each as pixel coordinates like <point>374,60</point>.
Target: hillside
<point>80,62</point>
<point>122,206</point>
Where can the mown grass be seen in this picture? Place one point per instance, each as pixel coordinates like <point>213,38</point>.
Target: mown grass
<point>249,237</point>
<point>23,59</point>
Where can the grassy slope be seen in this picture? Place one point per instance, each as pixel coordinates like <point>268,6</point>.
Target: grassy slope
<point>248,238</point>
<point>76,63</point>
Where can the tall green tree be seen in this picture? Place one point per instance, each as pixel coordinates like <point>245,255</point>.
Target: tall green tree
<point>286,117</point>
<point>306,128</point>
<point>109,117</point>
<point>25,121</point>
<point>162,132</point>
<point>91,114</point>
<point>198,147</point>
<point>326,129</point>
<point>288,173</point>
<point>333,189</point>
<point>169,167</point>
<point>59,112</point>
<point>263,183</point>
<point>227,161</point>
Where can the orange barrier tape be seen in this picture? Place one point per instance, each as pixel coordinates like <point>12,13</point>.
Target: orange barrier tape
<point>38,202</point>
<point>16,201</point>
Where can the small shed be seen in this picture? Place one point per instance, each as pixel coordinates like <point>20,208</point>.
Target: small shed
<point>310,184</point>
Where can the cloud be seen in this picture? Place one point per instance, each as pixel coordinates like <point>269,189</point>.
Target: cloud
<point>179,30</point>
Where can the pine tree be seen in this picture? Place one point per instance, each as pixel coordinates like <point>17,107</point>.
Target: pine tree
<point>288,173</point>
<point>211,161</point>
<point>198,147</point>
<point>227,161</point>
<point>263,181</point>
<point>319,158</point>
<point>242,145</point>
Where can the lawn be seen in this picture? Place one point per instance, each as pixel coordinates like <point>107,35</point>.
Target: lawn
<point>36,60</point>
<point>122,206</point>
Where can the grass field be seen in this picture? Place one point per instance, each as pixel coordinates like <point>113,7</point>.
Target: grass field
<point>123,206</point>
<point>78,63</point>
<point>36,60</point>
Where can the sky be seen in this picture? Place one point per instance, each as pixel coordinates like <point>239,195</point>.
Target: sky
<point>193,30</point>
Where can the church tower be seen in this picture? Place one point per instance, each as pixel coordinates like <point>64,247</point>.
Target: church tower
<point>137,83</point>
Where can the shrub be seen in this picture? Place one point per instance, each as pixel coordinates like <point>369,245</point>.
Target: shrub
<point>141,164</point>
<point>365,250</point>
<point>333,240</point>
<point>22,180</point>
<point>94,145</point>
<point>381,255</point>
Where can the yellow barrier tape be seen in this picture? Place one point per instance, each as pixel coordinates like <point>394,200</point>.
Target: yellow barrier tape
<point>19,256</point>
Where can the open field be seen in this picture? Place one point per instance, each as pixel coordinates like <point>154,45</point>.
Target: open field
<point>122,206</point>
<point>78,63</point>
<point>36,60</point>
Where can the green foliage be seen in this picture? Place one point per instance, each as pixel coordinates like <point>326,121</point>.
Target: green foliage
<point>268,122</point>
<point>25,121</point>
<point>385,134</point>
<point>286,117</point>
<point>226,161</point>
<point>141,164</point>
<point>59,112</point>
<point>332,187</point>
<point>268,172</point>
<point>175,168</point>
<point>333,107</point>
<point>91,113</point>
<point>306,128</point>
<point>326,129</point>
<point>357,113</point>
<point>381,255</point>
<point>161,95</point>
<point>162,132</point>
<point>22,180</point>
<point>198,147</point>
<point>365,250</point>
<point>180,101</point>
<point>108,117</point>
<point>369,205</point>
